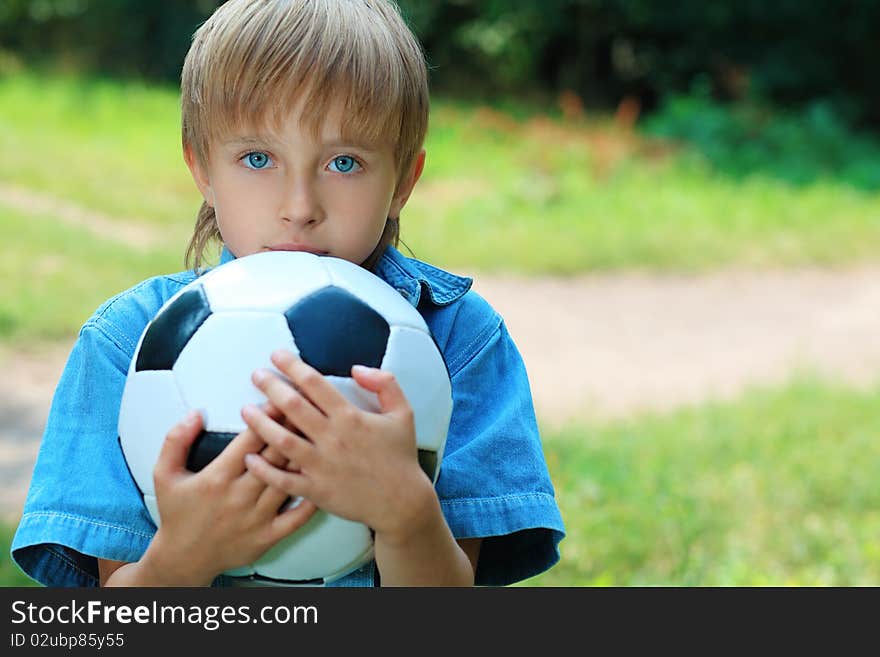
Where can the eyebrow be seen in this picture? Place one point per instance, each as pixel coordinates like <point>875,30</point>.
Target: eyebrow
<point>338,142</point>
<point>246,141</point>
<point>333,142</point>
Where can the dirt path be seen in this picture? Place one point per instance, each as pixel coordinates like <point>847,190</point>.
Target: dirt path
<point>596,346</point>
<point>134,233</point>
<point>608,346</point>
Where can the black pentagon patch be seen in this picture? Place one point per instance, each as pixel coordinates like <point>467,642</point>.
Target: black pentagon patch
<point>171,329</point>
<point>319,581</point>
<point>428,462</point>
<point>206,448</point>
<point>334,330</point>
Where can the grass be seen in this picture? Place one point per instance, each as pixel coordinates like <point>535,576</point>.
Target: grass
<point>57,275</point>
<point>776,488</point>
<point>10,574</point>
<point>105,145</point>
<point>508,191</point>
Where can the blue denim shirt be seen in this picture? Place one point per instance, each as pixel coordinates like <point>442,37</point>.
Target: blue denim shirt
<point>493,482</point>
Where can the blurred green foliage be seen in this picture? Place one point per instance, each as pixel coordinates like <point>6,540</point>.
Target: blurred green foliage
<point>748,138</point>
<point>10,573</point>
<point>121,37</point>
<point>603,50</point>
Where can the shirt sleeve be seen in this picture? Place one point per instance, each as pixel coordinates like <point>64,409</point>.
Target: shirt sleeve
<point>82,502</point>
<point>494,482</point>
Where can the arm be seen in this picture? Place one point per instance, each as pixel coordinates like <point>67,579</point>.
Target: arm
<point>495,471</point>
<point>145,572</point>
<point>424,552</point>
<point>156,568</point>
<point>361,466</point>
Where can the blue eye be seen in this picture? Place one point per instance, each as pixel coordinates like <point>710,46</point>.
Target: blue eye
<point>256,160</point>
<point>344,164</point>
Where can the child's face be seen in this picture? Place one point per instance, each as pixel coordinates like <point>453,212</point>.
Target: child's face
<point>294,191</point>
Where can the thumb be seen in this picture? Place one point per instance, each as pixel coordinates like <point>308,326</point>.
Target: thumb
<point>175,449</point>
<point>384,385</point>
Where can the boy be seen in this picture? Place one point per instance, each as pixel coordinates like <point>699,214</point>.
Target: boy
<point>303,126</point>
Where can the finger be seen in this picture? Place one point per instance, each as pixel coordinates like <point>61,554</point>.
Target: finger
<point>273,412</point>
<point>250,485</point>
<point>291,446</point>
<point>384,384</point>
<point>294,484</point>
<point>309,381</point>
<point>175,448</point>
<point>274,457</point>
<point>230,461</point>
<point>287,522</point>
<point>297,408</point>
<point>271,499</point>
<point>268,452</point>
<point>254,486</point>
<point>273,454</point>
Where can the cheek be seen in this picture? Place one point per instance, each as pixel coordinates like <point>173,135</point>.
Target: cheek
<point>241,197</point>
<point>381,202</point>
<point>364,206</point>
<point>236,211</point>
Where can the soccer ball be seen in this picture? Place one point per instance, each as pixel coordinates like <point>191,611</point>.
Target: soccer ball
<point>200,349</point>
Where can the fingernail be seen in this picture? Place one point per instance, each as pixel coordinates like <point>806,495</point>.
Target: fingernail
<point>248,411</point>
<point>281,356</point>
<point>260,375</point>
<point>362,369</point>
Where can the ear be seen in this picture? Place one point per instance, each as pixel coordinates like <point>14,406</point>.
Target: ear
<point>200,176</point>
<point>401,196</point>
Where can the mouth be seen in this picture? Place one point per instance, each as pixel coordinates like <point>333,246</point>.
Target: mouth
<point>296,246</point>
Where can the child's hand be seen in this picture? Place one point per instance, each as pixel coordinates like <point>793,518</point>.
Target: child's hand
<point>220,517</point>
<point>356,464</point>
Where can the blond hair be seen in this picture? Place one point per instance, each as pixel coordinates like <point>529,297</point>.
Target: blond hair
<point>252,60</point>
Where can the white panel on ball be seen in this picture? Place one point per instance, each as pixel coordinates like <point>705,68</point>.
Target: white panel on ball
<point>142,427</point>
<point>152,506</point>
<point>421,373</point>
<point>232,286</point>
<point>304,554</point>
<point>349,388</point>
<point>214,369</point>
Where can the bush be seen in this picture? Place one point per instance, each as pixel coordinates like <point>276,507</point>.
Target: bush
<point>799,147</point>
<point>787,51</point>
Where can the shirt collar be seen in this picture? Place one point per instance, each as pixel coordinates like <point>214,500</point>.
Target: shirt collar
<point>409,277</point>
<point>226,255</point>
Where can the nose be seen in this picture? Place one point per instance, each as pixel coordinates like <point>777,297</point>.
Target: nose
<point>300,203</point>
